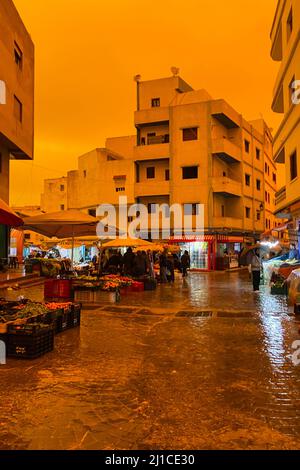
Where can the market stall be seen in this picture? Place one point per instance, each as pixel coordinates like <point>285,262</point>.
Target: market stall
<point>28,328</point>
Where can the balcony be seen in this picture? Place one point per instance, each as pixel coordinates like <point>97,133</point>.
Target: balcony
<point>151,116</point>
<point>225,114</point>
<point>226,150</point>
<point>280,196</point>
<point>228,222</point>
<point>226,186</point>
<point>152,188</point>
<point>158,139</point>
<point>152,152</point>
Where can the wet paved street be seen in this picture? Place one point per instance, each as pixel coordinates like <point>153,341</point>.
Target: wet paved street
<point>203,364</point>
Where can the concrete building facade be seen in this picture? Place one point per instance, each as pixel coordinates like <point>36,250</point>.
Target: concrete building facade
<point>16,98</point>
<point>285,36</point>
<point>188,149</point>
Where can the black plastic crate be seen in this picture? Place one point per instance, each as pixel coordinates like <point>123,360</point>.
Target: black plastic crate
<point>23,328</point>
<point>75,316</point>
<point>25,346</point>
<point>62,322</point>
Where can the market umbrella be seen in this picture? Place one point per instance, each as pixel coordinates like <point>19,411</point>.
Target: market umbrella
<point>64,224</point>
<point>8,217</point>
<point>127,242</point>
<point>247,252</point>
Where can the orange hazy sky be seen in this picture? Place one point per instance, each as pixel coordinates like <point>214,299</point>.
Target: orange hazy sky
<point>87,52</point>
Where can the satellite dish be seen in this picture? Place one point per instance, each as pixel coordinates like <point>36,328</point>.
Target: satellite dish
<point>175,71</point>
<point>137,78</point>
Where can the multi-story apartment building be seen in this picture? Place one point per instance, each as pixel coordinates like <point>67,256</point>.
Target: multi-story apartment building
<point>188,149</point>
<point>285,36</point>
<point>16,98</point>
<point>57,194</point>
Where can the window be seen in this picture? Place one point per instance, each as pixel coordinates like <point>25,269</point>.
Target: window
<point>257,154</point>
<point>248,212</point>
<point>274,177</point>
<point>190,209</point>
<point>167,175</point>
<point>258,185</point>
<point>223,211</point>
<point>62,207</point>
<point>291,90</point>
<point>150,172</point>
<point>189,172</point>
<point>247,180</point>
<point>293,166</point>
<point>247,146</point>
<point>120,190</point>
<point>289,25</point>
<point>155,102</point>
<point>18,56</point>
<point>84,173</point>
<point>266,168</point>
<point>258,215</point>
<point>266,196</point>
<point>92,212</point>
<point>18,109</point>
<point>151,208</point>
<point>269,199</point>
<point>62,187</point>
<point>190,133</point>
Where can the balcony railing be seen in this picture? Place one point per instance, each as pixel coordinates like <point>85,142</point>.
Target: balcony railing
<point>227,186</point>
<point>156,139</point>
<point>280,195</point>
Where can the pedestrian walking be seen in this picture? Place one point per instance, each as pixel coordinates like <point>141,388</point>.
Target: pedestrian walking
<point>185,263</point>
<point>256,269</point>
<point>163,267</point>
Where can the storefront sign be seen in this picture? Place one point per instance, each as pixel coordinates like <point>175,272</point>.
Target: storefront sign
<point>187,239</point>
<point>230,239</point>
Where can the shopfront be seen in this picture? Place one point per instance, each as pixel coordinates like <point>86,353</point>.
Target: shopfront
<point>200,249</point>
<point>228,249</point>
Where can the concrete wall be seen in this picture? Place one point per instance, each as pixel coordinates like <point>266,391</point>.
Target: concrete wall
<point>55,196</point>
<point>19,80</point>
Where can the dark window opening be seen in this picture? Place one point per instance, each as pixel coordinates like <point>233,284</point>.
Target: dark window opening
<point>257,154</point>
<point>293,166</point>
<point>92,212</point>
<point>248,212</point>
<point>18,109</point>
<point>18,56</point>
<point>247,146</point>
<point>189,172</point>
<point>190,133</point>
<point>155,102</point>
<point>247,180</point>
<point>167,175</point>
<point>150,172</point>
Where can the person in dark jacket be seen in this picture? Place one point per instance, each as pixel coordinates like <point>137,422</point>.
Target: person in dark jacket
<point>163,264</point>
<point>139,264</point>
<point>128,261</point>
<point>185,263</point>
<point>170,268</point>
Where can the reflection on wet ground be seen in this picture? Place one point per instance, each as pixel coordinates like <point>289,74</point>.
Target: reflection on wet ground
<point>130,380</point>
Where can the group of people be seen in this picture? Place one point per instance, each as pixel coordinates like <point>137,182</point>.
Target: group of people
<point>132,264</point>
<point>142,263</point>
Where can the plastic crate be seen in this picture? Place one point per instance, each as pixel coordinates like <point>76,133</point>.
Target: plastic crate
<point>58,288</point>
<point>61,322</point>
<point>30,346</point>
<point>74,316</point>
<point>279,290</point>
